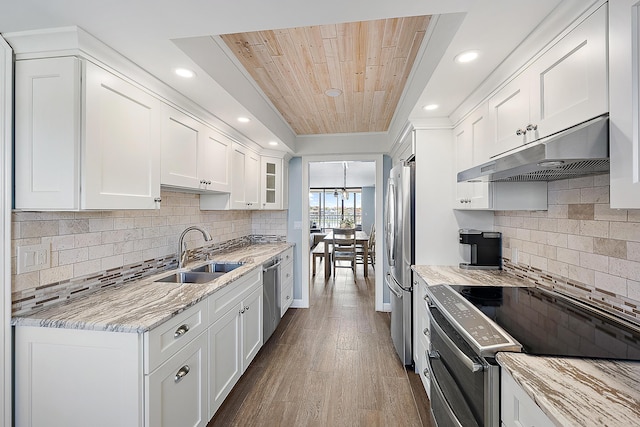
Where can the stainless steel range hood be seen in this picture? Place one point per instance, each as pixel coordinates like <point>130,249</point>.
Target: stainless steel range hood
<point>578,151</point>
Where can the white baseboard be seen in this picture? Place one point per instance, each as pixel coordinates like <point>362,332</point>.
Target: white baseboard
<point>298,303</point>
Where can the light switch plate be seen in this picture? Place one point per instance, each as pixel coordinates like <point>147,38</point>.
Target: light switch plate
<point>33,258</point>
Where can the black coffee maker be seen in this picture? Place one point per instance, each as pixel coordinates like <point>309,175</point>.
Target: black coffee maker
<point>486,249</point>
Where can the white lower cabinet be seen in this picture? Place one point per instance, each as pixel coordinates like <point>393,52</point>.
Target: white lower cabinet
<point>177,390</point>
<point>75,378</point>
<point>422,333</point>
<point>176,374</point>
<point>517,408</point>
<point>286,290</point>
<point>235,334</point>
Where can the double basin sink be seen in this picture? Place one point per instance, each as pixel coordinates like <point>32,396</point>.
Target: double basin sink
<point>203,274</point>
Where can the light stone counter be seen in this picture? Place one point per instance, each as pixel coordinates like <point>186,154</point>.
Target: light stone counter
<point>139,306</point>
<point>452,275</point>
<point>570,391</point>
<point>579,392</point>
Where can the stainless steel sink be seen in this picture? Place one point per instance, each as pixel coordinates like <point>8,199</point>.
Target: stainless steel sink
<point>190,277</point>
<point>214,267</point>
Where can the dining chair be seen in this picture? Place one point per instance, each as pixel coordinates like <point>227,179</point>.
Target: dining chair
<point>344,249</point>
<point>371,249</point>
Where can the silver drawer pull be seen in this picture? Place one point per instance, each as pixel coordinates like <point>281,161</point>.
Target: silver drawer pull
<point>246,308</point>
<point>182,329</point>
<point>242,311</point>
<point>182,373</point>
<point>426,372</point>
<point>426,332</point>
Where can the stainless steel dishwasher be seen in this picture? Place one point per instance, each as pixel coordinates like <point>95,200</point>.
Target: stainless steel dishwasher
<point>271,297</point>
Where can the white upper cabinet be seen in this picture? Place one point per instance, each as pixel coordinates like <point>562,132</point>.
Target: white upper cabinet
<point>85,138</point>
<point>624,118</point>
<point>567,85</point>
<point>569,82</point>
<point>470,138</point>
<point>271,182</point>
<point>509,109</point>
<point>194,156</point>
<point>214,160</point>
<point>245,178</point>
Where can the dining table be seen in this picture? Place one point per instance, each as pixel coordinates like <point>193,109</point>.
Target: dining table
<point>362,238</point>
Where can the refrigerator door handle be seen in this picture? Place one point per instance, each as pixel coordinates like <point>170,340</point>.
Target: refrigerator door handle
<point>390,223</point>
<point>392,288</point>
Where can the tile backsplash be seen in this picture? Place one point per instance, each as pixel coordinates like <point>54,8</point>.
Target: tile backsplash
<point>87,243</point>
<point>579,244</point>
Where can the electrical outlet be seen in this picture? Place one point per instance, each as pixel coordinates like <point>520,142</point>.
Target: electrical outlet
<point>33,258</point>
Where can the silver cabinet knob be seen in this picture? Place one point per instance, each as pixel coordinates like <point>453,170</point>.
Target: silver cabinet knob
<point>288,297</point>
<point>426,332</point>
<point>426,372</point>
<point>157,199</point>
<point>246,308</point>
<point>182,373</point>
<point>532,127</point>
<point>521,132</point>
<point>182,329</point>
<point>242,311</point>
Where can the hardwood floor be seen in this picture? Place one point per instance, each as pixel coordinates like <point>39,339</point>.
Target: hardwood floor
<point>330,365</point>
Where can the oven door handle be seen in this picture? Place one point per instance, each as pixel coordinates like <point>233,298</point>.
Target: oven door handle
<point>473,366</point>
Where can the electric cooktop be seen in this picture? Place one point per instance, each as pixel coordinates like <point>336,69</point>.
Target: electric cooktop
<point>550,324</point>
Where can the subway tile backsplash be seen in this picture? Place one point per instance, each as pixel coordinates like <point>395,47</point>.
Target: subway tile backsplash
<point>580,245</point>
<point>103,248</point>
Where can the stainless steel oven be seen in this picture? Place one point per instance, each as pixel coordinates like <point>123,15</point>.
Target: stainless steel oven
<point>470,324</point>
<point>465,378</point>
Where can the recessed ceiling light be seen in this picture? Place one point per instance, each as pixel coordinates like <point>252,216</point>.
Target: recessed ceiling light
<point>468,56</point>
<point>333,92</point>
<point>244,119</point>
<point>431,107</point>
<point>273,143</point>
<point>185,72</point>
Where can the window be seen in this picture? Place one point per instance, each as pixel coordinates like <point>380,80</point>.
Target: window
<point>327,207</point>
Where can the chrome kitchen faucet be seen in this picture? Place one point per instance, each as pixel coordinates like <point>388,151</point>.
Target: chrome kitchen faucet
<point>182,246</point>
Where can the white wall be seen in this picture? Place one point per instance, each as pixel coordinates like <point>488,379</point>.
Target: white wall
<point>437,224</point>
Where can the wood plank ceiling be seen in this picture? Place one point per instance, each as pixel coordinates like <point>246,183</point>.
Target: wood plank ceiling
<point>368,61</point>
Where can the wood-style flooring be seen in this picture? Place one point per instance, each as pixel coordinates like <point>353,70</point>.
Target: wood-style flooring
<point>332,364</point>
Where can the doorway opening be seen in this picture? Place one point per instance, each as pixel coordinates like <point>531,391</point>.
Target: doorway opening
<point>344,192</point>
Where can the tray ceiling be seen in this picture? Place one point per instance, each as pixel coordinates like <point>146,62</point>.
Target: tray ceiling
<point>369,62</point>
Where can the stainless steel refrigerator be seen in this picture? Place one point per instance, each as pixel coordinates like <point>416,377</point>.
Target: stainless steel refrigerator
<point>400,242</point>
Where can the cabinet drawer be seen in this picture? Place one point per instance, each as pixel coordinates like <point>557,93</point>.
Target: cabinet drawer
<point>287,256</point>
<point>286,296</point>
<point>287,271</point>
<point>229,296</point>
<point>177,390</point>
<point>165,340</point>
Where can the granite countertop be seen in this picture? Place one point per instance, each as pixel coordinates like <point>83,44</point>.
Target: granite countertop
<point>570,391</point>
<point>579,392</point>
<point>139,306</point>
<point>452,275</point>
